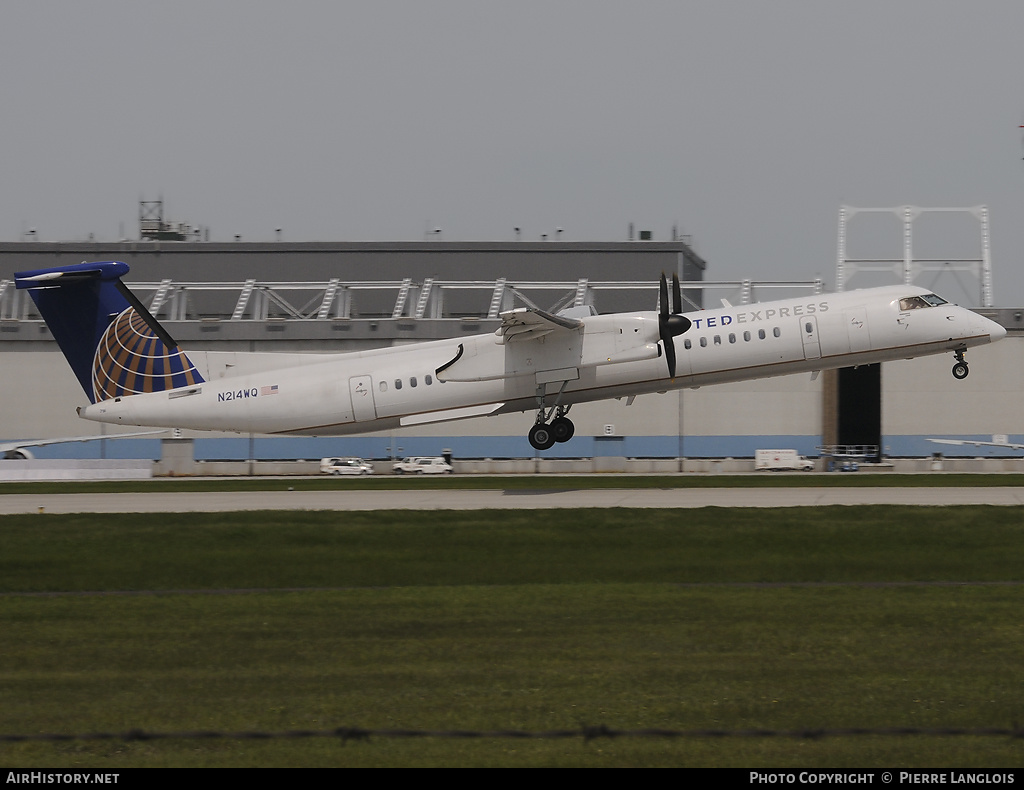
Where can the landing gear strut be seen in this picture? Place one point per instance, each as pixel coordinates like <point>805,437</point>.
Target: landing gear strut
<point>543,435</point>
<point>960,369</point>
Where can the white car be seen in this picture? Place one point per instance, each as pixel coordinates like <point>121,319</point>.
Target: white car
<point>345,466</point>
<point>422,466</point>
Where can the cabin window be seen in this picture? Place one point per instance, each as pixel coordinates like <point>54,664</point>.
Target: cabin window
<point>777,332</point>
<point>732,338</point>
<point>412,382</point>
<point>746,337</point>
<point>760,334</point>
<point>383,386</point>
<point>398,384</point>
<point>703,342</point>
<point>809,328</point>
<point>428,380</point>
<point>687,344</point>
<point>718,340</point>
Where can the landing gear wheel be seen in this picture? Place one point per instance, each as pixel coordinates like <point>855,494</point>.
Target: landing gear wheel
<point>542,437</point>
<point>960,370</point>
<point>562,428</point>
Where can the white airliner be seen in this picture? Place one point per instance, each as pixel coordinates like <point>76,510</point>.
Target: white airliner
<point>134,373</point>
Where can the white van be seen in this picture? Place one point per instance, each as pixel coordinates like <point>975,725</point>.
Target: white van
<point>421,465</point>
<point>776,460</point>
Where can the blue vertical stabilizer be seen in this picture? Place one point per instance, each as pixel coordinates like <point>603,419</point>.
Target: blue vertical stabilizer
<point>113,344</point>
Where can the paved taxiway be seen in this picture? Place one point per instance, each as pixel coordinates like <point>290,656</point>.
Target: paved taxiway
<point>341,500</point>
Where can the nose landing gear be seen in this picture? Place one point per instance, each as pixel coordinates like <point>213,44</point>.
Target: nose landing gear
<point>960,369</point>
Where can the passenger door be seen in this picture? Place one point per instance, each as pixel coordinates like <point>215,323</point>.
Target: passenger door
<point>809,333</point>
<point>857,328</point>
<point>361,390</point>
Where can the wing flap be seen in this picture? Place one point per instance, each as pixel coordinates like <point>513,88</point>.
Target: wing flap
<point>530,323</point>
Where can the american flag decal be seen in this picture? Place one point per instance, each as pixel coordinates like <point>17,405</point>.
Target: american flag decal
<point>272,390</point>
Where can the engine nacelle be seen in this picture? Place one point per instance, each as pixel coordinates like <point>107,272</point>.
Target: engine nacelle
<point>620,338</point>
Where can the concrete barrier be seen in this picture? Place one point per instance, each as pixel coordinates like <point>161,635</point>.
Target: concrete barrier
<point>82,469</point>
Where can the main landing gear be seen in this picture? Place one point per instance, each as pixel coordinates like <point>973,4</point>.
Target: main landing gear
<point>543,435</point>
<point>960,369</point>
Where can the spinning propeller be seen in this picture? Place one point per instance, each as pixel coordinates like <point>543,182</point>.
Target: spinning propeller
<point>671,324</point>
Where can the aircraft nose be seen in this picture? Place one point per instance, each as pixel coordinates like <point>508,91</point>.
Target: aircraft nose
<point>980,325</point>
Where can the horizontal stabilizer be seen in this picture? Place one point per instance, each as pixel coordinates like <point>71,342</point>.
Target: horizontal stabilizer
<point>61,275</point>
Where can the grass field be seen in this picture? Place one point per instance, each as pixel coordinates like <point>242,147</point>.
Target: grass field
<point>785,619</point>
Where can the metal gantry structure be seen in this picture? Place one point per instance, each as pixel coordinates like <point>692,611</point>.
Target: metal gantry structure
<point>908,267</point>
<point>254,300</point>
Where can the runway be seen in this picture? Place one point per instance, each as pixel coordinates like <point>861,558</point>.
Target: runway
<point>341,500</point>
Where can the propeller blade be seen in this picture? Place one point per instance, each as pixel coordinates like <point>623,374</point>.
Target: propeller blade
<point>671,324</point>
<point>670,356</point>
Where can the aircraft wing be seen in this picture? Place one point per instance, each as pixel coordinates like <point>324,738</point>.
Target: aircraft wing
<point>6,447</point>
<point>530,323</point>
<point>972,443</point>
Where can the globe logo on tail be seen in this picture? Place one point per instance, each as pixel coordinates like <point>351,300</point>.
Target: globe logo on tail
<point>130,359</point>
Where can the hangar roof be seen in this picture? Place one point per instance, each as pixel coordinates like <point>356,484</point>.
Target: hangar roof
<point>322,261</point>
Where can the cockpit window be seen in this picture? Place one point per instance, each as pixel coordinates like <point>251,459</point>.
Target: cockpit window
<point>918,302</point>
<point>914,303</point>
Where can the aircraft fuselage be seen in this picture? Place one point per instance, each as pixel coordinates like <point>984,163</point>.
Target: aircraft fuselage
<point>608,356</point>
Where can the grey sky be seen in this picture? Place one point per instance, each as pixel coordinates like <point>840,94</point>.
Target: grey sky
<point>745,123</point>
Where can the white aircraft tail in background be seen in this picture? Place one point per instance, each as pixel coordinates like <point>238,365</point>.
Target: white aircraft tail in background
<point>18,449</point>
<point>1004,444</point>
